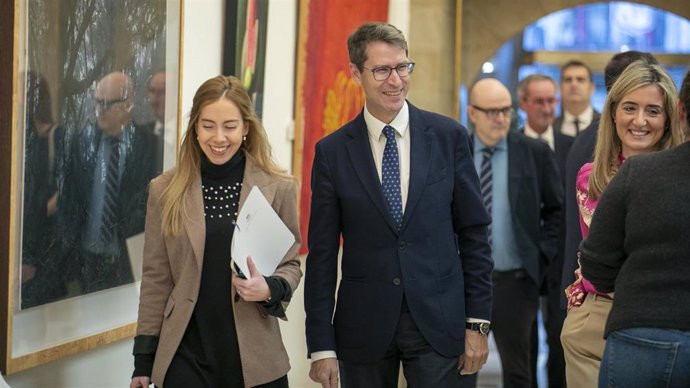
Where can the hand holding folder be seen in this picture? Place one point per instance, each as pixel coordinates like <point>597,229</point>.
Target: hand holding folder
<point>261,234</point>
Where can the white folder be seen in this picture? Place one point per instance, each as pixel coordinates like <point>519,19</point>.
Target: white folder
<point>261,234</point>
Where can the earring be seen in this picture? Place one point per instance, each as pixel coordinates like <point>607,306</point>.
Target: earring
<point>244,138</point>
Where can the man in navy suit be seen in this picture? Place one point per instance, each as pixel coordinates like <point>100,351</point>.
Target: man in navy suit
<point>526,199</point>
<point>398,185</point>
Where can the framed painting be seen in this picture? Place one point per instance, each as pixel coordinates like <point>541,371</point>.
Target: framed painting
<point>244,47</point>
<point>89,112</point>
<point>326,95</point>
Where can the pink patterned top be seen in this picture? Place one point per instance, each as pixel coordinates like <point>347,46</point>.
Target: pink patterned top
<point>576,292</point>
<point>586,206</point>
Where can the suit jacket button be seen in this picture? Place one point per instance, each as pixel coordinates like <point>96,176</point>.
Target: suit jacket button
<point>396,281</point>
<point>402,245</point>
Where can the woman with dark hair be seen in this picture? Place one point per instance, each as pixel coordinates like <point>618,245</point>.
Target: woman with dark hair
<point>200,325</point>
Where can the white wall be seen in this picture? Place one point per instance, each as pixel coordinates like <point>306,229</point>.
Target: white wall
<point>111,365</point>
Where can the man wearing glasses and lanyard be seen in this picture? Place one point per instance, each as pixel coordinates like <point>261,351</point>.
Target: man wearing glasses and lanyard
<point>398,186</point>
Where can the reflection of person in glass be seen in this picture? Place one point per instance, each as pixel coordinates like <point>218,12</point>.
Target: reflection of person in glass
<point>105,188</point>
<point>44,147</point>
<point>156,100</point>
<point>199,325</point>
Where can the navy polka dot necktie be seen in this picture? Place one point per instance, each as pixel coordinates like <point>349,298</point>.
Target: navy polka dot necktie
<point>390,181</point>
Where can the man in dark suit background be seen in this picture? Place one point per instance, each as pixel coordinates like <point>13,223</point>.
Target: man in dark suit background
<point>525,205</point>
<point>577,87</point>
<point>103,200</point>
<point>537,94</point>
<point>398,185</point>
<point>537,98</point>
<point>156,98</point>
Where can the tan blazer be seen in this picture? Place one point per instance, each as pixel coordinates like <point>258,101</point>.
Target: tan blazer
<point>172,275</point>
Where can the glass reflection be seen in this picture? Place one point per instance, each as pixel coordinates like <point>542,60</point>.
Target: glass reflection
<point>92,143</point>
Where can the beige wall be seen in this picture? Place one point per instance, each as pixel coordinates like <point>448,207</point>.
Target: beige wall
<point>432,40</point>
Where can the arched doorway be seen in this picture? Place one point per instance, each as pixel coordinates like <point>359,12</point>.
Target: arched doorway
<point>592,32</point>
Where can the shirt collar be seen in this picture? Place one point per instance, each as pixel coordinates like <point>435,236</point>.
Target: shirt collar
<point>534,134</point>
<point>584,117</point>
<point>375,126</point>
<point>479,146</point>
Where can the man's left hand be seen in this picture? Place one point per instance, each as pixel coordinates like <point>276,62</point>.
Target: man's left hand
<point>476,353</point>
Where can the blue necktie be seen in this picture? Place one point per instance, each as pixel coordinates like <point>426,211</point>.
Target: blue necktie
<point>486,181</point>
<point>390,181</point>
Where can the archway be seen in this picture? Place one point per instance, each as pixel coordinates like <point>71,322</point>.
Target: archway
<point>511,55</point>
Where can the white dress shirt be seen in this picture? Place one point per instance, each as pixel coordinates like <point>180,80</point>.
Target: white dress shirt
<point>377,140</point>
<point>546,136</point>
<point>584,119</point>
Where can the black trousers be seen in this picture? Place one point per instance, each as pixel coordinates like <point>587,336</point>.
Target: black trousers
<point>187,378</point>
<point>554,315</point>
<point>423,367</point>
<point>516,301</point>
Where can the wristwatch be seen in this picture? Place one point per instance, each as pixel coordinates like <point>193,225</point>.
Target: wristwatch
<point>480,327</point>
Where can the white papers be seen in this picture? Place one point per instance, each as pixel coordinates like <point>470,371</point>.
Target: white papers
<point>261,234</point>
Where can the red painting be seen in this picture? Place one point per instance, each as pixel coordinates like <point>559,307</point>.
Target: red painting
<point>327,96</point>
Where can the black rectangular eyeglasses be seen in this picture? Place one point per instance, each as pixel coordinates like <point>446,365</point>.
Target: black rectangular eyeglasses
<point>382,73</point>
<point>493,113</point>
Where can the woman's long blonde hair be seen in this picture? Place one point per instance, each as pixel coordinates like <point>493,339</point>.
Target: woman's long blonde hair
<point>188,169</point>
<point>640,73</point>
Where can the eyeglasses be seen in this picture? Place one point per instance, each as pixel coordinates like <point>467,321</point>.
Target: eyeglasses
<point>382,73</point>
<point>106,103</point>
<point>493,113</point>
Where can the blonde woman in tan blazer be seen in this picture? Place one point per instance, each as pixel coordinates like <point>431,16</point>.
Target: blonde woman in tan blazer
<point>200,325</point>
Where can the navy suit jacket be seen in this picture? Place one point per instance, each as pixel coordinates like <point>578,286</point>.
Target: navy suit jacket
<point>76,190</point>
<point>558,123</point>
<point>440,260</point>
<point>536,195</point>
<point>561,148</point>
<point>562,144</point>
<point>581,152</point>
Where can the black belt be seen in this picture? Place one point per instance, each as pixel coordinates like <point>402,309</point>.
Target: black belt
<point>520,273</point>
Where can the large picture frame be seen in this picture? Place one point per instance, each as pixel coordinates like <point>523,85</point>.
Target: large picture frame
<point>63,57</point>
<point>326,96</point>
<point>244,46</point>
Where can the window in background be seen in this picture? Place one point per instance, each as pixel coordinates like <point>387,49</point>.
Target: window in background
<point>571,33</point>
